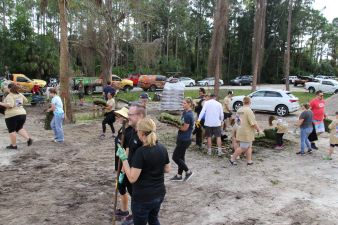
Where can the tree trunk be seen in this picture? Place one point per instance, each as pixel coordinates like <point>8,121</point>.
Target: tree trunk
<point>287,52</point>
<point>64,67</point>
<point>257,41</point>
<point>217,41</point>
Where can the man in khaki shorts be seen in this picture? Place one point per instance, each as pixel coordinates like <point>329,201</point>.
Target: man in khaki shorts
<point>245,132</point>
<point>213,112</point>
<point>226,108</point>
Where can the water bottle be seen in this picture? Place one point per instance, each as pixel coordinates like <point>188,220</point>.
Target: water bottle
<point>121,177</point>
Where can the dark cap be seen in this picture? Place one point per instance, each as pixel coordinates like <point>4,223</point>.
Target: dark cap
<point>144,96</point>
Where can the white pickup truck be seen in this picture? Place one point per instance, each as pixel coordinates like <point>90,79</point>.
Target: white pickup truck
<point>325,85</point>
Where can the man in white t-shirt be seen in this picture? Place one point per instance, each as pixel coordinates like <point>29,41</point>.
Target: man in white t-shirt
<point>212,111</point>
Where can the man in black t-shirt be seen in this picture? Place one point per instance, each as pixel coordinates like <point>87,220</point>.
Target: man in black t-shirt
<point>132,142</point>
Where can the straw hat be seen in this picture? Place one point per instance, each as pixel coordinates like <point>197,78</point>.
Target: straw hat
<point>122,112</point>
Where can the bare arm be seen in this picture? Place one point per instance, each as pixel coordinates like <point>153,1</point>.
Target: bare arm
<point>167,168</point>
<point>185,127</point>
<point>300,122</point>
<point>132,173</point>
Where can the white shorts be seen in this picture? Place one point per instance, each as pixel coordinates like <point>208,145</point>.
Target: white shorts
<point>245,145</point>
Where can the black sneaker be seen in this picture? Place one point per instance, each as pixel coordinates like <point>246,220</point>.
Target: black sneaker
<point>309,151</point>
<point>128,220</point>
<point>12,147</point>
<point>29,142</point>
<point>188,176</point>
<point>300,153</point>
<point>176,178</point>
<point>233,163</point>
<point>313,146</point>
<point>119,214</point>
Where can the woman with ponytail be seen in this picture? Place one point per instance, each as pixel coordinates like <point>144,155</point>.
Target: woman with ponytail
<point>146,173</point>
<point>183,141</point>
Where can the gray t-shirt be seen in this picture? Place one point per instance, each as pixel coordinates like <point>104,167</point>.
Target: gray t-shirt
<point>307,116</point>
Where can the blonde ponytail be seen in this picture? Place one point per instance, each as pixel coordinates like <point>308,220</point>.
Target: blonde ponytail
<point>148,127</point>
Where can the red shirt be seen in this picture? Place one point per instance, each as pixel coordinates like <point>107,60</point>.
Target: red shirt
<point>36,88</point>
<point>318,109</point>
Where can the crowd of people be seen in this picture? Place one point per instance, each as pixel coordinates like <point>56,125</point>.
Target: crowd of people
<point>144,160</point>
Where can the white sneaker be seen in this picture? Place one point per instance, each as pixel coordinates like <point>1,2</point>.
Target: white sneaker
<point>209,152</point>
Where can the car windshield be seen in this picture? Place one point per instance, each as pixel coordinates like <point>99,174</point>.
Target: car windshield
<point>334,82</point>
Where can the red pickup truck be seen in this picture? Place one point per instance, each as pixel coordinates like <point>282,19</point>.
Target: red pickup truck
<point>134,77</point>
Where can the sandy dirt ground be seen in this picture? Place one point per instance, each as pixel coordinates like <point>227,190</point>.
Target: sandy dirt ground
<point>73,182</point>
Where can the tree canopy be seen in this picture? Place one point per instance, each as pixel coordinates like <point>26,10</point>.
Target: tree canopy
<point>159,36</point>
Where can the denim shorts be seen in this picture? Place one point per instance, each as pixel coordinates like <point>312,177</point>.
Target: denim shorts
<point>319,125</point>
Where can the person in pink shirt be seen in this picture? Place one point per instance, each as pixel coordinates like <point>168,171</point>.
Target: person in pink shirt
<point>318,109</point>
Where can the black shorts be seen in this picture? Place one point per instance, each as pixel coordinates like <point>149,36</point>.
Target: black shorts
<point>227,115</point>
<point>15,123</point>
<point>333,145</point>
<point>81,95</point>
<point>125,186</point>
<point>213,131</point>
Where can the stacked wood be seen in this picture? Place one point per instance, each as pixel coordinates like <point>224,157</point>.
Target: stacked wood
<point>170,119</point>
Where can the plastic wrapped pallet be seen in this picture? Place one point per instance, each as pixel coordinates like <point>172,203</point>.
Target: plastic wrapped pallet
<point>172,96</point>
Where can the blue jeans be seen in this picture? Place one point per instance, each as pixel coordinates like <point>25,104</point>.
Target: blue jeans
<point>146,212</point>
<point>56,125</point>
<point>304,141</point>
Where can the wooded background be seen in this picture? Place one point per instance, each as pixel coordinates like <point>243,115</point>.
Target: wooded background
<point>159,36</point>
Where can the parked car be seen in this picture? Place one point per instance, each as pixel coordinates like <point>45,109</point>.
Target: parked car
<point>303,79</point>
<point>209,81</point>
<point>134,77</point>
<point>152,82</point>
<point>26,84</point>
<point>242,80</point>
<point>325,85</point>
<point>278,101</point>
<point>291,79</point>
<point>325,77</point>
<point>94,84</point>
<point>187,81</point>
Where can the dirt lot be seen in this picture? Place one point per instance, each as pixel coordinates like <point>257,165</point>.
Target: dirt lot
<point>72,183</point>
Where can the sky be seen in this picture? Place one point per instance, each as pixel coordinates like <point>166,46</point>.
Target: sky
<point>328,8</point>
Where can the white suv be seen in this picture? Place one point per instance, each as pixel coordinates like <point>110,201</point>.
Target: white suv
<point>279,101</point>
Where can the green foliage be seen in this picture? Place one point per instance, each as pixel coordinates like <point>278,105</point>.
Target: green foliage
<point>29,40</point>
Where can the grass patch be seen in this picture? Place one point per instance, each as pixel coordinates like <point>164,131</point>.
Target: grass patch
<point>85,117</point>
<point>304,97</point>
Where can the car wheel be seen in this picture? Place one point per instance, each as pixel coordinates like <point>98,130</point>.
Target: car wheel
<point>282,110</point>
<point>240,83</point>
<point>206,84</point>
<point>152,88</point>
<point>336,91</point>
<point>312,90</point>
<point>237,105</point>
<point>89,90</point>
<point>191,84</point>
<point>295,84</point>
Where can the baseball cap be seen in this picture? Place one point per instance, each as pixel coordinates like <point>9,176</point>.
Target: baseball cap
<point>144,96</point>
